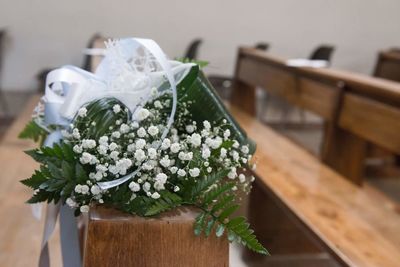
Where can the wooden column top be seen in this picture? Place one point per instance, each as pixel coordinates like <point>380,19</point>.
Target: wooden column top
<point>359,224</point>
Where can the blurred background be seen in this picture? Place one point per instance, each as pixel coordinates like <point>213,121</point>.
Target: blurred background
<point>348,35</point>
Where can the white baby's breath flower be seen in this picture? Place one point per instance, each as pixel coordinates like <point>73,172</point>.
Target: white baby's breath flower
<point>113,146</point>
<point>209,169</point>
<point>176,188</point>
<point>140,155</point>
<point>232,174</point>
<point>182,155</point>
<point>76,134</point>
<point>146,186</point>
<point>124,128</point>
<point>103,140</point>
<point>155,195</point>
<point>116,134</point>
<point>71,203</point>
<point>152,130</point>
<point>227,133</point>
<point>140,143</point>
<point>205,153</point>
<point>86,158</point>
<point>166,143</point>
<point>165,161</point>
<point>82,112</point>
<point>181,172</point>
<point>84,208</point>
<point>189,128</point>
<point>98,176</point>
<point>235,156</point>
<point>207,125</point>
<point>77,149</point>
<point>195,139</point>
<point>88,143</point>
<point>102,149</point>
<point>141,132</point>
<point>157,104</point>
<point>216,143</point>
<point>141,114</point>
<point>131,147</point>
<point>78,188</point>
<point>242,178</point>
<point>174,169</point>
<point>223,153</point>
<point>194,172</point>
<point>152,153</point>
<point>116,108</point>
<point>245,149</point>
<point>235,144</point>
<point>135,187</point>
<point>189,156</point>
<point>175,147</point>
<point>95,190</point>
<point>84,189</point>
<point>114,155</point>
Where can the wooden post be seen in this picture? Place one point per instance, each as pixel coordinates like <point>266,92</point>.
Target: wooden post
<point>114,238</point>
<point>243,95</point>
<point>342,150</point>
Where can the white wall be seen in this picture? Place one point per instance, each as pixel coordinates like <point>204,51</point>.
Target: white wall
<point>50,33</point>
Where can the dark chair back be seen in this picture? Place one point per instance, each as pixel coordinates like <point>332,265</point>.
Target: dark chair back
<point>262,46</point>
<point>388,65</point>
<point>192,50</point>
<point>323,52</point>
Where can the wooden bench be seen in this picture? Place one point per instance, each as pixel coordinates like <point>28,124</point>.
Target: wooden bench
<point>358,226</point>
<point>357,109</point>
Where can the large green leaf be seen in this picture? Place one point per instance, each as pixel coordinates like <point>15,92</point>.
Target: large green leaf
<point>208,105</point>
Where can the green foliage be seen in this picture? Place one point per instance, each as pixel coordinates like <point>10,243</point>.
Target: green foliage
<point>208,106</point>
<point>58,174</point>
<point>34,132</point>
<point>217,207</point>
<point>166,202</point>
<point>100,114</point>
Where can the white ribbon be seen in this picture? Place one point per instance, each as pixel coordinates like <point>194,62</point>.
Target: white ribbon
<point>128,74</point>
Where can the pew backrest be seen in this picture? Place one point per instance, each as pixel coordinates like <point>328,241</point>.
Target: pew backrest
<point>356,108</point>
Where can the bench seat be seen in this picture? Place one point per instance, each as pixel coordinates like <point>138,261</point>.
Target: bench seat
<point>358,225</point>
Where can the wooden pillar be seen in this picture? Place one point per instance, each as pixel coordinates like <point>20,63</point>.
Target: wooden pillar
<point>114,238</point>
<point>342,150</point>
<point>345,153</point>
<point>243,95</point>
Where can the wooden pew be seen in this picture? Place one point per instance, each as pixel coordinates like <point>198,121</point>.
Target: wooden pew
<point>357,109</point>
<point>358,226</point>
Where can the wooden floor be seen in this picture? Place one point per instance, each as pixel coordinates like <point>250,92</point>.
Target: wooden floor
<point>20,232</point>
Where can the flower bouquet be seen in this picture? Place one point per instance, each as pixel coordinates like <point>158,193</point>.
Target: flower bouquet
<point>144,135</point>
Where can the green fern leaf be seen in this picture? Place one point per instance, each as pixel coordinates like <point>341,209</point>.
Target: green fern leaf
<point>166,202</point>
<point>34,132</point>
<point>205,183</point>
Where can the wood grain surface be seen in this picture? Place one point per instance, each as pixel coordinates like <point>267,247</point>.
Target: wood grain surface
<point>357,224</point>
<point>118,239</point>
